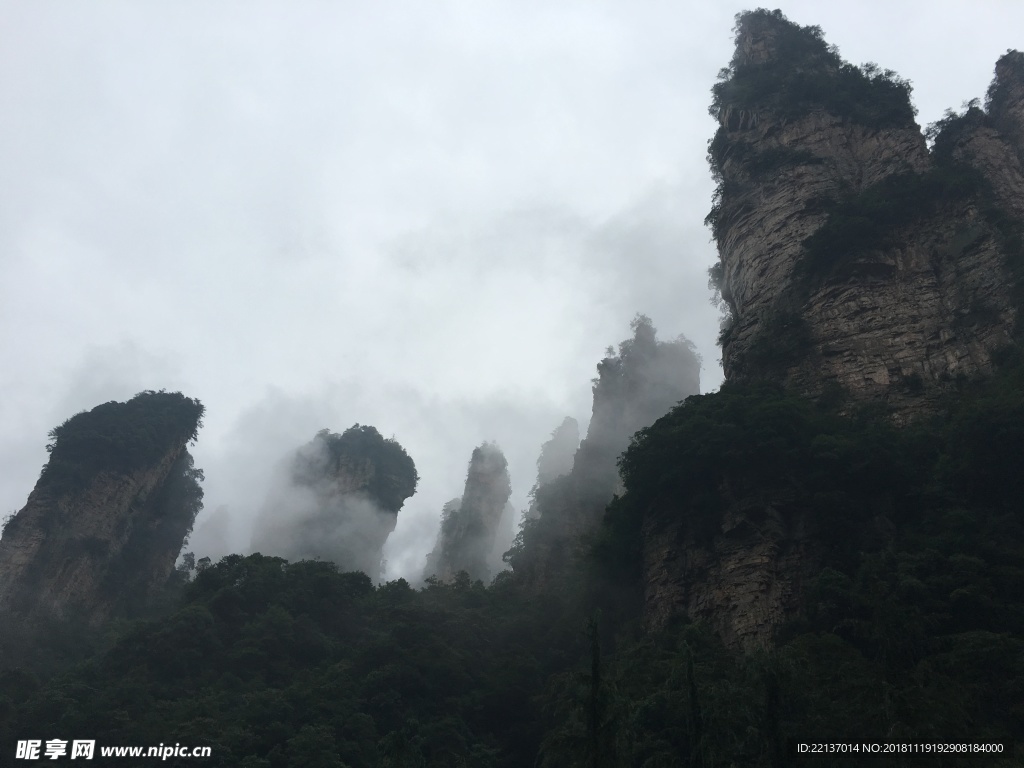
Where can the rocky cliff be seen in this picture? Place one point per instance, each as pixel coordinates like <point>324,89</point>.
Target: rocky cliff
<point>854,260</point>
<point>338,500</point>
<point>633,389</point>
<point>109,514</point>
<point>555,460</point>
<point>744,582</point>
<point>470,524</point>
<point>858,265</point>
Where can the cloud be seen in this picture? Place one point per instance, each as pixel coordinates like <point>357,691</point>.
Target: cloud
<point>428,219</point>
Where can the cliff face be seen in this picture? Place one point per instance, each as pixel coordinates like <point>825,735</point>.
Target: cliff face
<point>857,264</point>
<point>633,389</point>
<point>557,454</point>
<point>469,525</point>
<point>744,583</point>
<point>108,517</point>
<point>851,257</point>
<point>1006,100</point>
<point>339,500</point>
<point>555,460</point>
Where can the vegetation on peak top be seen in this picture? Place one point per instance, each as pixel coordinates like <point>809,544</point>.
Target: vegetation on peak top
<point>1009,68</point>
<point>637,351</point>
<point>394,478</point>
<point>119,437</point>
<point>794,73</point>
<point>780,40</point>
<point>945,133</point>
<point>641,343</point>
<point>799,71</point>
<point>488,456</point>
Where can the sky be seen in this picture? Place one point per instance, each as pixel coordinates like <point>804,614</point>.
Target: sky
<point>428,217</point>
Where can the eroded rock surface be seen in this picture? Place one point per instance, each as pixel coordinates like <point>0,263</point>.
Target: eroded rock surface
<point>857,264</point>
<point>469,525</point>
<point>893,316</point>
<point>107,519</point>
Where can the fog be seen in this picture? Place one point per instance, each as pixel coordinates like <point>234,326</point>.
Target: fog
<point>334,499</point>
<point>476,528</point>
<point>432,219</point>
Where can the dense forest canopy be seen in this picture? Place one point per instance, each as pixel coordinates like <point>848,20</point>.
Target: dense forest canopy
<point>913,627</point>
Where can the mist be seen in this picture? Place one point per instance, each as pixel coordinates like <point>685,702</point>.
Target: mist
<point>476,528</point>
<point>433,221</point>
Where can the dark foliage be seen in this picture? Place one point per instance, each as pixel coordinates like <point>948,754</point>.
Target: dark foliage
<point>157,537</point>
<point>804,73</point>
<point>911,626</point>
<point>874,219</point>
<point>1009,68</point>
<point>913,629</point>
<point>293,664</point>
<point>119,437</point>
<point>759,163</point>
<point>394,478</point>
<point>559,499</point>
<point>877,217</point>
<point>948,132</point>
<point>782,339</point>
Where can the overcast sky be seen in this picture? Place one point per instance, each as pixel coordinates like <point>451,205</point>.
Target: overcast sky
<point>428,217</point>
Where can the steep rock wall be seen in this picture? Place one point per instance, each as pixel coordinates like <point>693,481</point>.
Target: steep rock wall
<point>470,524</point>
<point>99,544</point>
<point>745,581</point>
<point>894,318</point>
<point>1006,100</point>
<point>555,460</point>
<point>857,264</point>
<point>633,389</point>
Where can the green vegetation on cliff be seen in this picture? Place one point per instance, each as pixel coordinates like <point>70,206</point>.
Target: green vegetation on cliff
<point>155,541</point>
<point>470,522</point>
<point>912,626</point>
<point>276,664</point>
<point>784,71</point>
<point>394,473</point>
<point>119,437</point>
<point>949,133</point>
<point>914,618</point>
<point>799,72</point>
<point>102,546</point>
<point>877,217</point>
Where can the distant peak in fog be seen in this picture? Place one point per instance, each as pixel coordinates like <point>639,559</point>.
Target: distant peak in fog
<point>470,525</point>
<point>338,500</point>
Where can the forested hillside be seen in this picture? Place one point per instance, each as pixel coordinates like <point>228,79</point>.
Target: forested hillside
<point>912,628</point>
